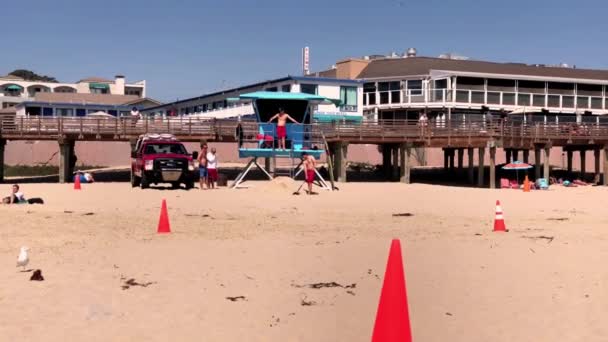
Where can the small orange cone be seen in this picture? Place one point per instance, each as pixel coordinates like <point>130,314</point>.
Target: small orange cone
<point>499,221</point>
<point>163,223</point>
<point>526,184</point>
<point>393,318</point>
<point>77,182</point>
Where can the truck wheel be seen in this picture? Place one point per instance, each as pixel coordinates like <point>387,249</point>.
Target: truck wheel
<point>135,181</point>
<point>144,184</point>
<point>175,185</point>
<point>189,185</point>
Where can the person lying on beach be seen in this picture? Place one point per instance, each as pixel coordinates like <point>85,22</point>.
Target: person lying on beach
<point>15,197</point>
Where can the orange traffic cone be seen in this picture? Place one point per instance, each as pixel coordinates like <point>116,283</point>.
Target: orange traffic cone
<point>77,182</point>
<point>393,318</point>
<point>526,184</point>
<point>163,222</point>
<point>499,221</point>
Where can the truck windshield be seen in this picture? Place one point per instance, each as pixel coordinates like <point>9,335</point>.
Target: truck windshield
<point>161,148</point>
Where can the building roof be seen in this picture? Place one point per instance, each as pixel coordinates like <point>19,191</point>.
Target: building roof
<point>8,110</point>
<point>330,73</point>
<point>95,79</point>
<point>12,78</point>
<point>396,67</point>
<point>103,99</point>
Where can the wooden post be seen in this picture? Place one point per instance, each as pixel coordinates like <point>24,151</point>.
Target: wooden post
<point>340,153</point>
<point>526,156</point>
<point>547,167</point>
<point>537,161</point>
<point>480,167</point>
<point>596,154</point>
<point>583,163</point>
<point>569,154</point>
<point>395,164</point>
<point>460,158</point>
<point>493,167</point>
<point>471,165</point>
<point>66,152</point>
<point>605,165</point>
<point>2,147</point>
<point>406,152</point>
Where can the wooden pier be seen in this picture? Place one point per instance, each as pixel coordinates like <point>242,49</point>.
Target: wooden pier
<point>396,138</point>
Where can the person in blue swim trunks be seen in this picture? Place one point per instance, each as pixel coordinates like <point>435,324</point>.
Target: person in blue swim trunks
<point>202,166</point>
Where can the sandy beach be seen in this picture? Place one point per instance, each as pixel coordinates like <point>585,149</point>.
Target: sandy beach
<point>544,280</point>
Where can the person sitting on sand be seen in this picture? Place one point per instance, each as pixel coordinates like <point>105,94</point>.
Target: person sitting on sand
<point>15,197</point>
<point>282,118</point>
<point>309,164</point>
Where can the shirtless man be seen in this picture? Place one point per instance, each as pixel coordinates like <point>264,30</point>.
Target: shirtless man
<point>309,164</point>
<point>282,118</point>
<point>202,166</point>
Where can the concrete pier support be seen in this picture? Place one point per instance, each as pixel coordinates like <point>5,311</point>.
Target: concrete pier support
<point>66,156</point>
<point>405,153</point>
<point>547,166</point>
<point>492,167</point>
<point>569,154</point>
<point>596,169</point>
<point>2,148</point>
<point>508,152</point>
<point>460,158</point>
<point>395,164</point>
<point>537,163</point>
<point>515,155</point>
<point>446,159</point>
<point>470,165</point>
<point>526,156</point>
<point>480,167</point>
<point>340,150</point>
<point>583,163</point>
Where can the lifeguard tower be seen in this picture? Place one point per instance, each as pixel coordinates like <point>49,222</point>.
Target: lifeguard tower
<point>301,138</point>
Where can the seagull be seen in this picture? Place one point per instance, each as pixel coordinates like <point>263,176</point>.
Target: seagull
<point>23,258</point>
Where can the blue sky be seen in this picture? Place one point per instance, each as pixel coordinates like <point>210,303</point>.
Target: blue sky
<point>187,48</point>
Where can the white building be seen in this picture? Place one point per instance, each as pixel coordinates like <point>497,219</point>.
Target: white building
<point>217,105</point>
<point>14,90</point>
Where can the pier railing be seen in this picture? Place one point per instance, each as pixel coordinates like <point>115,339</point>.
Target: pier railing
<point>191,128</point>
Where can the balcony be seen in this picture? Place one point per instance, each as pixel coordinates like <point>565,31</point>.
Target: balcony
<point>472,98</point>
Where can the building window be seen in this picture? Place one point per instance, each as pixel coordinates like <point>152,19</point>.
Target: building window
<point>582,102</point>
<point>508,99</point>
<point>369,94</point>
<point>462,96</point>
<point>348,97</point>
<point>64,111</point>
<point>273,89</point>
<point>523,99</point>
<point>553,101</point>
<point>568,101</point>
<point>286,88</point>
<point>99,91</point>
<point>414,87</point>
<point>309,89</point>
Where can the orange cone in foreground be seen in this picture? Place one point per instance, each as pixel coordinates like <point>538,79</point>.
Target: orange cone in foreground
<point>499,221</point>
<point>526,184</point>
<point>393,318</point>
<point>77,182</point>
<point>163,222</point>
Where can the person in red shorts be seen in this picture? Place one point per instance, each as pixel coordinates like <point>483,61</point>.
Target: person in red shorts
<point>309,164</point>
<point>282,118</point>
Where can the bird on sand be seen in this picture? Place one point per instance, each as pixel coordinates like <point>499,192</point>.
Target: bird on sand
<point>23,258</point>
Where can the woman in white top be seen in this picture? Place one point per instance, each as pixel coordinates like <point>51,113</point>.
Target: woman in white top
<point>211,168</point>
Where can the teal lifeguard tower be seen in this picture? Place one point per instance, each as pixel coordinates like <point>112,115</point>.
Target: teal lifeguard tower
<point>301,138</point>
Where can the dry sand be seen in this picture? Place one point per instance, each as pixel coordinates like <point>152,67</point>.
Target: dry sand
<point>465,283</point>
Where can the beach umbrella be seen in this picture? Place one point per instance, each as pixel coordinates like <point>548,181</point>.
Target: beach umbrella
<point>517,165</point>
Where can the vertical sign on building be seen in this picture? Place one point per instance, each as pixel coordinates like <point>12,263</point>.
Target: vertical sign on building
<point>305,60</point>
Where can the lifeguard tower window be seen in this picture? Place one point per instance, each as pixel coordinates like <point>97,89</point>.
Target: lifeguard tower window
<point>295,108</point>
